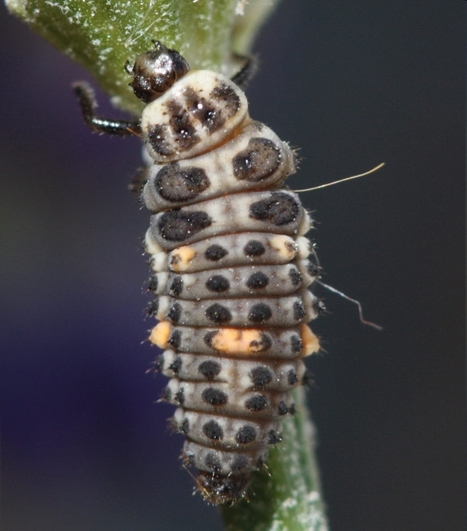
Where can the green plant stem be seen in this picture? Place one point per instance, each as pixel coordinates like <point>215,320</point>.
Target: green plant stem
<point>102,36</point>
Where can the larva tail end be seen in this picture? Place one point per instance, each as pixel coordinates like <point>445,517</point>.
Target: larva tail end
<point>219,489</point>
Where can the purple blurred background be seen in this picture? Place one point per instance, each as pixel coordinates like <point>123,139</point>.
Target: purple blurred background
<point>84,446</point>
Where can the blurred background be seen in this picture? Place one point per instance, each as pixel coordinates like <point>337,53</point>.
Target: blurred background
<point>353,84</point>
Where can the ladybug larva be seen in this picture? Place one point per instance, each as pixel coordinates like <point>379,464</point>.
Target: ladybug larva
<point>230,268</point>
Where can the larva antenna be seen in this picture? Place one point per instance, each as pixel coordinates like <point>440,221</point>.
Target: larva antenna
<point>342,180</point>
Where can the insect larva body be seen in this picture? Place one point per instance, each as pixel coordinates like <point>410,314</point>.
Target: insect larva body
<point>230,268</point>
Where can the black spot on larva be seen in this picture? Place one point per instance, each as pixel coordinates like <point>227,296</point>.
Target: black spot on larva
<point>296,344</point>
<point>177,184</point>
<point>184,427</point>
<point>176,286</point>
<point>260,376</point>
<point>179,225</point>
<point>214,397</point>
<point>174,260</point>
<point>153,307</point>
<point>274,437</point>
<point>239,463</point>
<point>246,434</point>
<point>209,369</point>
<point>180,396</point>
<point>282,409</point>
<point>259,313</point>
<point>279,209</point>
<point>298,311</point>
<point>228,98</point>
<point>263,344</point>
<point>307,378</point>
<point>213,431</point>
<point>176,365</point>
<point>183,131</point>
<point>292,377</point>
<point>215,252</point>
<point>257,281</point>
<point>258,161</point>
<point>295,276</point>
<point>218,313</point>
<point>208,337</point>
<point>292,409</point>
<point>175,312</point>
<point>256,403</point>
<point>157,136</point>
<point>203,111</point>
<point>175,339</point>
<point>166,394</point>
<point>260,461</point>
<point>212,462</point>
<point>217,283</point>
<point>254,248</point>
<point>313,269</point>
<point>153,283</point>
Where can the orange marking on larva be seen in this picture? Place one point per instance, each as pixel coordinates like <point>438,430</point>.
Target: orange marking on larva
<point>238,341</point>
<point>160,334</point>
<point>309,340</point>
<point>181,258</point>
<point>284,247</point>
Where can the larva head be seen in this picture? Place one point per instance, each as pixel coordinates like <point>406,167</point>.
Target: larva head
<point>154,72</point>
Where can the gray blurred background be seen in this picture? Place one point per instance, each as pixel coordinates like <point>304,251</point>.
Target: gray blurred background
<point>353,84</point>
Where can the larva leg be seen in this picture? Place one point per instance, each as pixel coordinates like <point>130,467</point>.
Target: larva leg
<point>250,66</point>
<point>87,102</point>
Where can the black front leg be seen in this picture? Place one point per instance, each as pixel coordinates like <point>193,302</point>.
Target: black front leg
<point>246,72</point>
<point>87,102</point>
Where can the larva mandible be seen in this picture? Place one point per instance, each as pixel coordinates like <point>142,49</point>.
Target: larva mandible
<point>229,261</point>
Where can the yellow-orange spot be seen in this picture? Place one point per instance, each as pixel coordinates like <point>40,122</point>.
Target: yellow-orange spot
<point>284,246</point>
<point>238,341</point>
<point>309,340</point>
<point>181,258</point>
<point>160,334</point>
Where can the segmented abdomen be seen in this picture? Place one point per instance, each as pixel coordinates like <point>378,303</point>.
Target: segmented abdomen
<point>230,277</point>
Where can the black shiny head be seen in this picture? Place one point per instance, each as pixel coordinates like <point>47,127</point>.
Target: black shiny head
<point>154,72</point>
